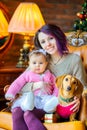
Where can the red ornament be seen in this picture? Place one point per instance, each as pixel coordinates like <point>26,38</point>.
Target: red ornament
<point>85,15</point>
<point>81,16</point>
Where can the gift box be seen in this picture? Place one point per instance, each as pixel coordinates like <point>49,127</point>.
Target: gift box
<point>50,118</point>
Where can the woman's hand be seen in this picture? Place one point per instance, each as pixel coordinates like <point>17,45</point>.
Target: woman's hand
<point>76,104</point>
<point>44,86</point>
<point>47,88</point>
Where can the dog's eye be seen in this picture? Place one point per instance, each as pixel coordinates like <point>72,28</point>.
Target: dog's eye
<point>74,82</point>
<point>66,79</point>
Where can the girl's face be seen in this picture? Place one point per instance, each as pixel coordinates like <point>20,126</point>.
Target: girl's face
<point>48,43</point>
<point>38,63</point>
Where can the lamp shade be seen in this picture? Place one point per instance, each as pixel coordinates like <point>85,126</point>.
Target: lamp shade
<point>27,19</point>
<point>3,25</point>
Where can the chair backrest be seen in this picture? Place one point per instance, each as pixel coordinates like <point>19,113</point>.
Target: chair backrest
<point>82,51</point>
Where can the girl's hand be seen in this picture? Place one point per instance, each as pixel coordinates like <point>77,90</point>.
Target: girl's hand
<point>12,99</point>
<point>37,85</point>
<point>9,98</point>
<point>76,104</point>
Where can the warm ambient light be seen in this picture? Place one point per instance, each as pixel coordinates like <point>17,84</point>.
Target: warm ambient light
<point>3,25</point>
<point>26,20</point>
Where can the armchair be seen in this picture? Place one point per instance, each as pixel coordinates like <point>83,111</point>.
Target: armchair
<point>6,117</point>
<point>6,124</point>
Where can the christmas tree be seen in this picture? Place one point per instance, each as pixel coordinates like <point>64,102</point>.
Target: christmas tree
<point>81,23</point>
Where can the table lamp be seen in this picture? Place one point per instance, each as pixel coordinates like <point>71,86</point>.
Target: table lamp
<point>26,20</point>
<point>3,25</point>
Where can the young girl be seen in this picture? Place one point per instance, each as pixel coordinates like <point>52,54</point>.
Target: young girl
<point>39,74</point>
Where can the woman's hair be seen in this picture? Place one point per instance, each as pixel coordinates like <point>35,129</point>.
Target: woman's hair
<point>57,33</point>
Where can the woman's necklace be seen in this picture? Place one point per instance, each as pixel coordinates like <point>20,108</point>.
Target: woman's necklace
<point>55,62</point>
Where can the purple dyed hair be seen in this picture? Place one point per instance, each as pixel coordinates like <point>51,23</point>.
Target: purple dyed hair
<point>56,32</point>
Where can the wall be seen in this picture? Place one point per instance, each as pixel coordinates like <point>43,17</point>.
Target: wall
<point>59,12</point>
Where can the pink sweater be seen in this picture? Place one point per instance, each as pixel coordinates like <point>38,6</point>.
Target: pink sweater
<point>29,76</point>
<point>64,111</point>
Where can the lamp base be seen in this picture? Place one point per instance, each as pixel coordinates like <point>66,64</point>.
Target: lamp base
<point>24,52</point>
<point>23,59</point>
<point>20,64</point>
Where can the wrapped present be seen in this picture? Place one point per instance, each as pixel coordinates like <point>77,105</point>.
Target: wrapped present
<point>50,118</point>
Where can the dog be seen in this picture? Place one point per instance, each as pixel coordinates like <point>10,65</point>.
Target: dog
<point>68,87</point>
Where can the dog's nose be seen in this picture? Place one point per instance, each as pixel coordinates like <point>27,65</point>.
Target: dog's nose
<point>68,88</point>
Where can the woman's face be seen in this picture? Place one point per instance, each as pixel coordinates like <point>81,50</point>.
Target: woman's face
<point>48,43</point>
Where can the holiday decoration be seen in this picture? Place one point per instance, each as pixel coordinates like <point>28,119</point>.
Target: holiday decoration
<point>78,36</point>
<point>81,23</point>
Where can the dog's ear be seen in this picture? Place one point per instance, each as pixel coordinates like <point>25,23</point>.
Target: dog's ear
<point>79,89</point>
<point>59,80</point>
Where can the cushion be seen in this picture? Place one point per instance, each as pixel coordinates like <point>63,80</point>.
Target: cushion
<point>6,123</point>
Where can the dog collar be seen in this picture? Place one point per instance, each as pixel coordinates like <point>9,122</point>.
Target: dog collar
<point>67,99</point>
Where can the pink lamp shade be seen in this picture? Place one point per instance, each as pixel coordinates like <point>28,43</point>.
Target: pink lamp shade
<point>27,19</point>
<point>3,25</point>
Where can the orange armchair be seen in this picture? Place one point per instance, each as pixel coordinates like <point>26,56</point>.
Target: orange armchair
<point>6,117</point>
<point>6,124</point>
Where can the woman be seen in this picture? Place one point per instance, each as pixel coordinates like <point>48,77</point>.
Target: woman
<point>53,41</point>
